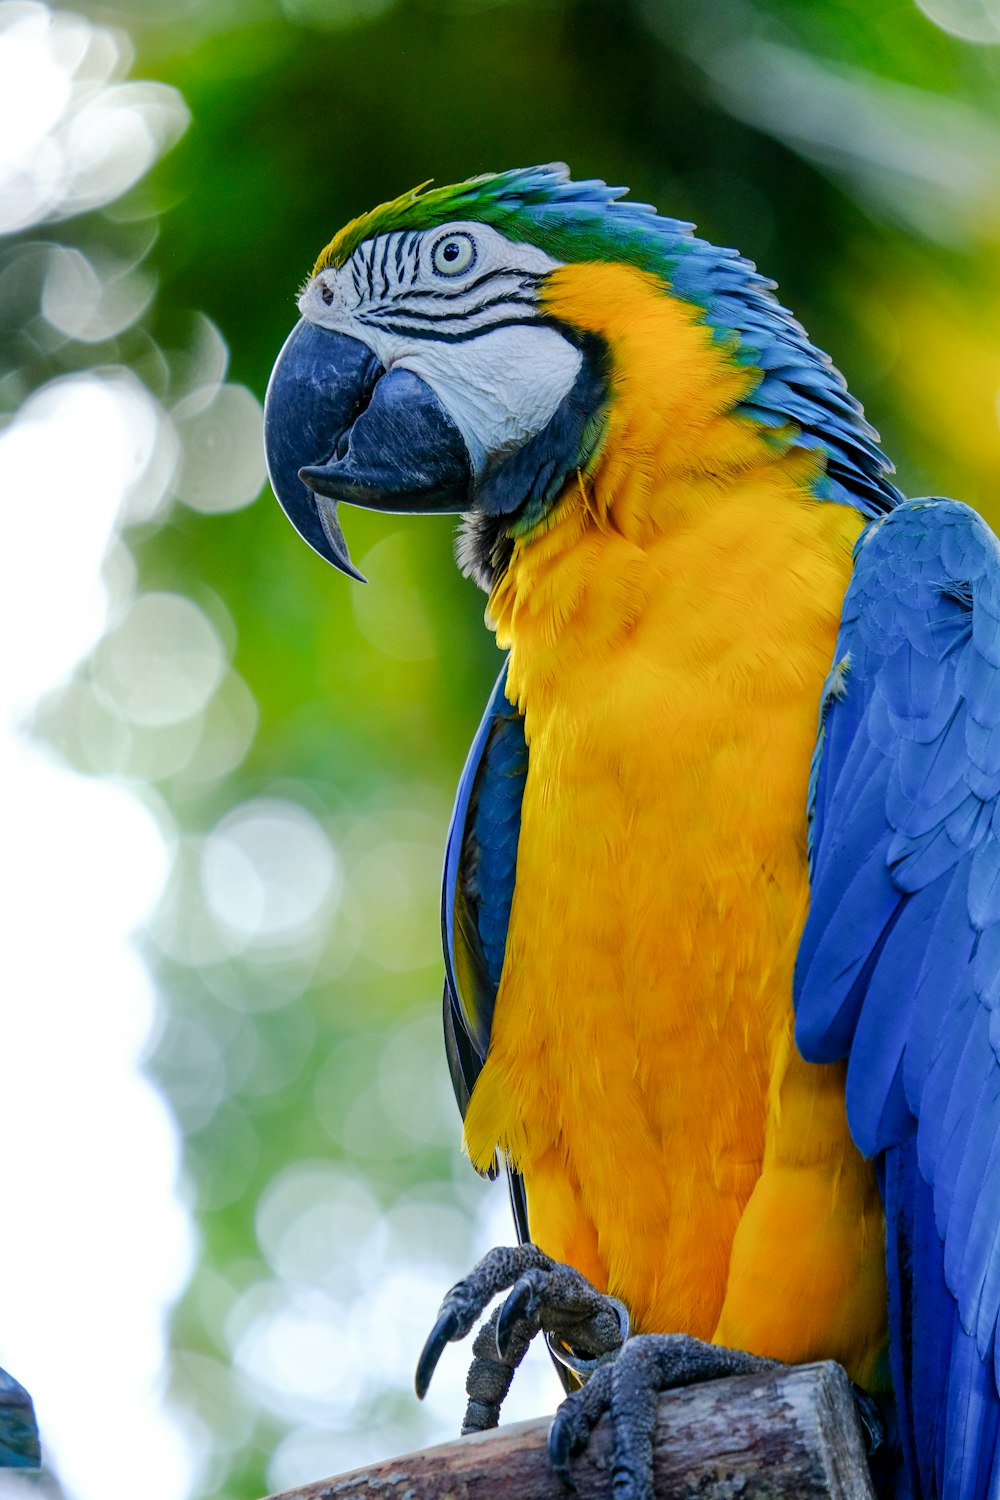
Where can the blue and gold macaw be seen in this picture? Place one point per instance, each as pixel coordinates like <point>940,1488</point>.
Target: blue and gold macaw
<point>722,888</point>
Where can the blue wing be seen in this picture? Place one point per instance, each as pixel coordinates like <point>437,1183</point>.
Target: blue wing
<point>480,865</point>
<point>479,868</point>
<point>899,965</point>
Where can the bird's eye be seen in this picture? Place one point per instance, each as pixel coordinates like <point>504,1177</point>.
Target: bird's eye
<point>326,292</point>
<point>453,254</point>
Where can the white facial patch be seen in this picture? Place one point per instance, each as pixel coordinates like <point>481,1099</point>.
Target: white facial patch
<point>458,306</point>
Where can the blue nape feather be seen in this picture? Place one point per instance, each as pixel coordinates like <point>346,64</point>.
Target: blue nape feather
<point>801,396</point>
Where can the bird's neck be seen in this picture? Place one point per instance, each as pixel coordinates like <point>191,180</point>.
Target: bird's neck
<point>682,481</point>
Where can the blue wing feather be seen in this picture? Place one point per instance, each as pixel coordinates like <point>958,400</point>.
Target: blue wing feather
<point>480,867</point>
<point>899,965</point>
<point>478,887</point>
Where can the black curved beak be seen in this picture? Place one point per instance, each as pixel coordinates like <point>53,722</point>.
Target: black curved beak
<point>320,382</point>
<point>337,426</point>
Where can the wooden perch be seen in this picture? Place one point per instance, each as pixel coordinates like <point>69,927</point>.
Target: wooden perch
<point>791,1433</point>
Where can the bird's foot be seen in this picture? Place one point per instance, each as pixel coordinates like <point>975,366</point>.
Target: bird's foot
<point>583,1328</point>
<point>627,1390</point>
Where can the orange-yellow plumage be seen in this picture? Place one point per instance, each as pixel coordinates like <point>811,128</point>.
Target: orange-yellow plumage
<point>670,628</point>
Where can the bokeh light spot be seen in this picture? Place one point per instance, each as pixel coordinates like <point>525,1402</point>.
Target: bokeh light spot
<point>269,872</point>
<point>162,663</point>
<point>67,457</point>
<point>227,731</point>
<point>972,20</point>
<point>34,86</point>
<point>223,464</point>
<point>319,1223</point>
<point>70,139</point>
<point>86,306</point>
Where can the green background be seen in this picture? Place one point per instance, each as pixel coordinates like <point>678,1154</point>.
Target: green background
<point>849,147</point>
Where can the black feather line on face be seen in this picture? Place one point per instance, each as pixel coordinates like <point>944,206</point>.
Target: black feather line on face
<point>413,250</point>
<point>526,281</point>
<point>402,316</point>
<point>439,335</point>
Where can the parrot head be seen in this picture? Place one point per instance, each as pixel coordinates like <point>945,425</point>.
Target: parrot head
<point>441,362</point>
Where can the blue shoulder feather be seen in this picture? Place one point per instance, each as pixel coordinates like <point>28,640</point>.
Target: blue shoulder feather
<point>899,964</point>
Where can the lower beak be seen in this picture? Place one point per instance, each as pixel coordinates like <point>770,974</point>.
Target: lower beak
<point>338,426</point>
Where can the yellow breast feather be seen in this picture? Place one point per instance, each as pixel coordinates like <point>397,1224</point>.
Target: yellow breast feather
<point>670,628</point>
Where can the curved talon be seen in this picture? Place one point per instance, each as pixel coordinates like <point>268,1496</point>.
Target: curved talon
<point>575,1420</point>
<point>870,1418</point>
<point>584,1368</point>
<point>561,1449</point>
<point>539,1291</point>
<point>444,1330</point>
<point>520,1307</point>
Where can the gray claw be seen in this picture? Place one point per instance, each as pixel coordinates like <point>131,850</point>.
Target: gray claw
<point>575,1420</point>
<point>520,1307</point>
<point>445,1329</point>
<point>561,1449</point>
<point>871,1419</point>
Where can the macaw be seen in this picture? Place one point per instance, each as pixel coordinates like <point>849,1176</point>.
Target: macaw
<point>721,907</point>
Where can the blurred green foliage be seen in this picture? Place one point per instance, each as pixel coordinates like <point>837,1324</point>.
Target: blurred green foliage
<point>849,147</point>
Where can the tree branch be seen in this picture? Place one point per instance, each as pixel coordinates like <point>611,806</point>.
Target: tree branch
<point>790,1433</point>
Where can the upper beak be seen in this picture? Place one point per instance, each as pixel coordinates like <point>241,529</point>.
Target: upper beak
<point>338,426</point>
